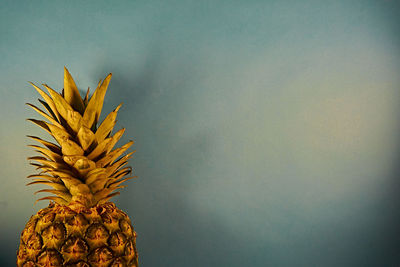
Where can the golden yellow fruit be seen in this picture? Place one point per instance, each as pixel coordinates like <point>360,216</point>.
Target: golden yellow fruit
<point>80,227</point>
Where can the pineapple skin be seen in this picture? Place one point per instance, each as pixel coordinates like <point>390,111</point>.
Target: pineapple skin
<point>61,235</point>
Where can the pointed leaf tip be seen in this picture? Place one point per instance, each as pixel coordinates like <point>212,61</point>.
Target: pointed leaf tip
<point>95,105</point>
<point>71,93</point>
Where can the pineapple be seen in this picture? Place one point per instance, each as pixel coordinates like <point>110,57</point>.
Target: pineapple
<point>80,227</point>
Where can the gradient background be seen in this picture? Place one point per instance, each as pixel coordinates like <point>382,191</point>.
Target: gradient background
<point>267,132</point>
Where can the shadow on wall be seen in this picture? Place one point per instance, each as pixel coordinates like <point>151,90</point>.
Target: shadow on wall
<point>129,85</point>
<point>390,236</point>
<point>170,231</point>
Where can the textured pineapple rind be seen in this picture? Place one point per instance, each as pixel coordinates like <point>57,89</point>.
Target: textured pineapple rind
<point>78,236</point>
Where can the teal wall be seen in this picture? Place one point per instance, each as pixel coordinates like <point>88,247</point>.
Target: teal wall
<point>266,131</point>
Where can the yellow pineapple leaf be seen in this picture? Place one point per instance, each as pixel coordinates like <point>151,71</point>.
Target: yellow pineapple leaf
<point>113,194</point>
<point>99,83</point>
<point>73,118</point>
<point>105,192</point>
<point>48,153</point>
<point>63,194</point>
<point>70,148</point>
<point>48,163</point>
<point>85,137</point>
<point>48,99</point>
<point>71,93</point>
<point>48,157</point>
<point>44,168</point>
<point>95,174</point>
<point>108,197</point>
<point>58,133</point>
<point>37,165</point>
<point>49,145</point>
<point>84,165</point>
<point>46,177</point>
<point>41,112</point>
<point>41,124</point>
<point>115,139</point>
<point>51,190</point>
<point>115,187</point>
<point>112,168</point>
<point>61,173</point>
<point>113,155</point>
<point>98,185</point>
<point>117,183</point>
<point>47,107</point>
<point>80,163</point>
<point>79,189</point>
<point>56,186</point>
<point>36,158</point>
<point>60,103</point>
<point>58,200</point>
<point>107,125</point>
<point>123,160</point>
<point>70,160</point>
<point>69,182</point>
<point>44,180</point>
<point>86,100</point>
<point>122,172</point>
<point>93,109</point>
<point>100,148</point>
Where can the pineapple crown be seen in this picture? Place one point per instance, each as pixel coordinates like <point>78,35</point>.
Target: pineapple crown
<point>82,168</point>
